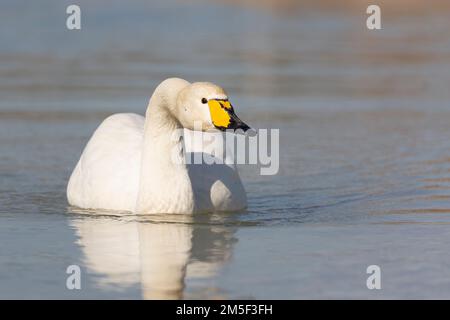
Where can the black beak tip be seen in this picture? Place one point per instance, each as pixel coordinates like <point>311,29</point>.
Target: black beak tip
<point>243,127</point>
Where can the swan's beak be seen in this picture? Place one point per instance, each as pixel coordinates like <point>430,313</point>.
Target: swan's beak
<point>223,116</point>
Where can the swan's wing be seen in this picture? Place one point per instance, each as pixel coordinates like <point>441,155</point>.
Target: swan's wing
<point>107,174</point>
<point>209,144</point>
<point>217,185</point>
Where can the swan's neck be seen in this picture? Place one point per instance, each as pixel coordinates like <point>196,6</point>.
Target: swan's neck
<point>165,185</point>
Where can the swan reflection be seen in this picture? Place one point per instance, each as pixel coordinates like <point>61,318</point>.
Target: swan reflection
<point>157,253</point>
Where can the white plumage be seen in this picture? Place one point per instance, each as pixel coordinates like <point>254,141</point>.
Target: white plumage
<point>128,164</point>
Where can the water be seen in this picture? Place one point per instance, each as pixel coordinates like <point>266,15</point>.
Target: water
<point>364,150</point>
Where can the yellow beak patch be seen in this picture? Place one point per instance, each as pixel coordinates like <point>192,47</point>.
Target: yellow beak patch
<point>220,112</point>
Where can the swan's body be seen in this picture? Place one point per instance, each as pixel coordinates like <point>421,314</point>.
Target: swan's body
<point>128,164</point>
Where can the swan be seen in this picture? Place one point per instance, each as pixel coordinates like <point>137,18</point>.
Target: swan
<point>128,164</point>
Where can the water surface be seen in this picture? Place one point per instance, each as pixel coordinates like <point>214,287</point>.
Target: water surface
<point>364,151</point>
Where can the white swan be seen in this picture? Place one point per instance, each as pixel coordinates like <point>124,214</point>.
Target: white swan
<point>128,164</point>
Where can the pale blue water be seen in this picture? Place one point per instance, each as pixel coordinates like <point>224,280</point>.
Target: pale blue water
<point>364,151</point>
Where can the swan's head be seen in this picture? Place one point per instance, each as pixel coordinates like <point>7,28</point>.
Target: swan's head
<point>205,104</point>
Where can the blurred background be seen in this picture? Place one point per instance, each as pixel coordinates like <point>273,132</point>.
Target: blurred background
<point>270,55</point>
<point>364,153</point>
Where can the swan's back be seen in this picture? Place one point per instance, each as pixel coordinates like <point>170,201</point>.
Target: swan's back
<point>107,174</point>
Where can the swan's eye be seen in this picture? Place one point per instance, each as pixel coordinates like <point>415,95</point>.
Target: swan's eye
<point>204,100</point>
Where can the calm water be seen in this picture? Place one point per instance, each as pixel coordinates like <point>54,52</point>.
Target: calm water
<point>364,178</point>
